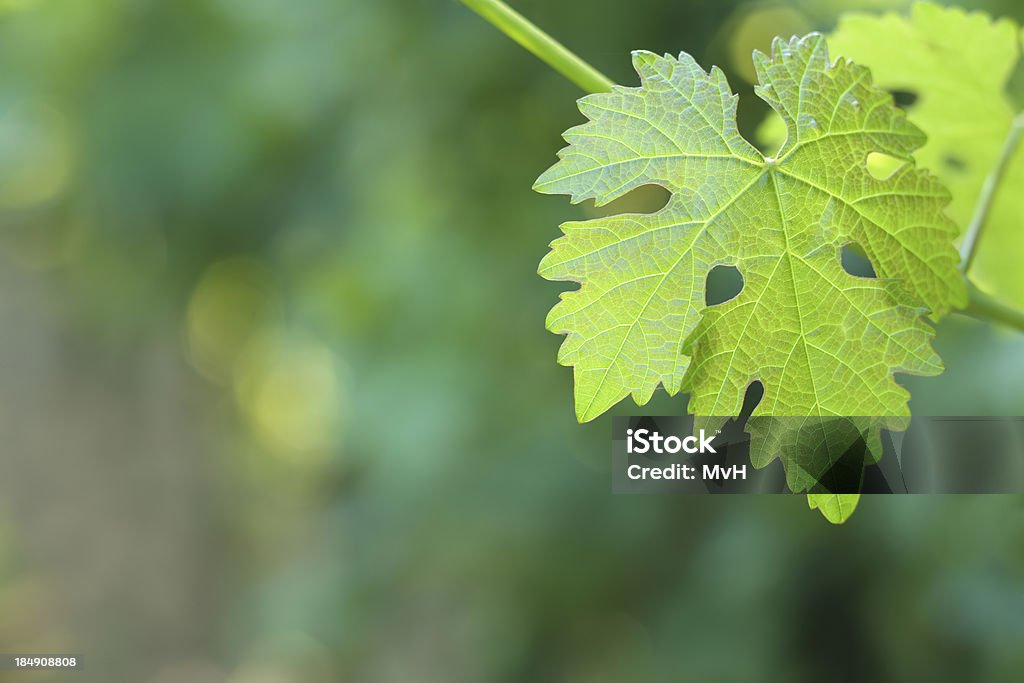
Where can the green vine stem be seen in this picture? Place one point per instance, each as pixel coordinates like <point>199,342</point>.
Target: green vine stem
<point>969,247</point>
<point>988,308</point>
<point>561,59</point>
<point>550,51</point>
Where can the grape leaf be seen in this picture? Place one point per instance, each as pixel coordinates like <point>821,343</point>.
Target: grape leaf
<point>958,65</point>
<point>821,342</point>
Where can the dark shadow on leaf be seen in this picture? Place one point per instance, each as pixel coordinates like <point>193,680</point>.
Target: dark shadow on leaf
<point>904,98</point>
<point>954,163</point>
<point>825,454</point>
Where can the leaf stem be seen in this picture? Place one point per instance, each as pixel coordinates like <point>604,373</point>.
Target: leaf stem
<point>561,59</point>
<point>969,247</point>
<point>550,51</point>
<point>990,309</point>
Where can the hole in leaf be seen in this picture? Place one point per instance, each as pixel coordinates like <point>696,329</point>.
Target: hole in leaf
<point>856,262</point>
<point>882,166</point>
<point>723,283</point>
<point>904,98</point>
<point>644,199</point>
<point>954,163</point>
<point>771,134</point>
<point>755,392</point>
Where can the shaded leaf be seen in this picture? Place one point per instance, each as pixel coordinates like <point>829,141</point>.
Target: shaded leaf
<point>958,65</point>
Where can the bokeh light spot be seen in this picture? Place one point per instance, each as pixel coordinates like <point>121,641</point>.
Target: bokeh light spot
<point>232,302</point>
<point>36,154</point>
<point>754,29</point>
<point>288,388</point>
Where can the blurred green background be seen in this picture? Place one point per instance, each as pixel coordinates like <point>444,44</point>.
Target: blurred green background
<point>277,404</point>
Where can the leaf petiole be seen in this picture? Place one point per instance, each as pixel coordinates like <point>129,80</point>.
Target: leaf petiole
<point>969,247</point>
<point>550,51</point>
<point>990,309</point>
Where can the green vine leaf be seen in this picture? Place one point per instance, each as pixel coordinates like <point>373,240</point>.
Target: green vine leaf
<point>957,64</point>
<point>821,341</point>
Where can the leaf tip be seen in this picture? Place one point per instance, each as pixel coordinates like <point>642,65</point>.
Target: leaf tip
<point>836,508</point>
<point>643,58</point>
